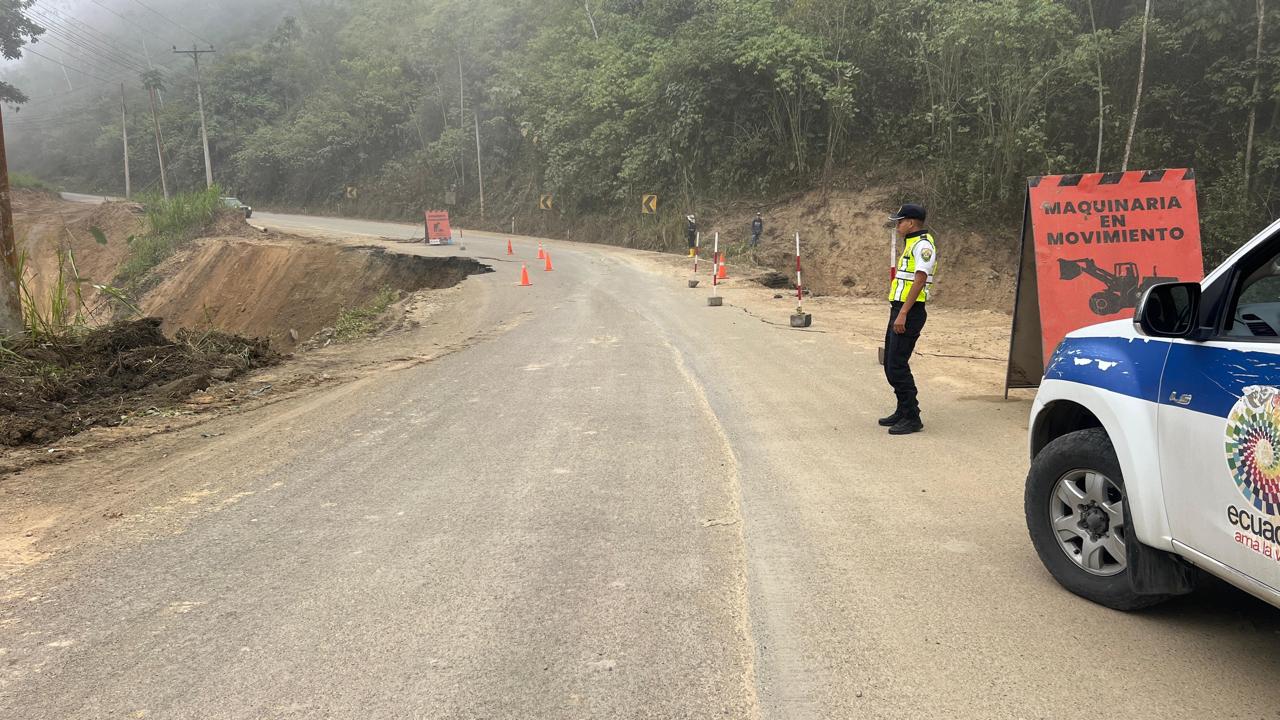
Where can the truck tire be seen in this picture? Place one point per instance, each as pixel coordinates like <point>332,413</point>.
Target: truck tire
<point>1074,504</point>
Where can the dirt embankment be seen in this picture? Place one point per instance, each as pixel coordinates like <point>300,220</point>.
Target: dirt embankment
<point>845,245</point>
<point>48,228</point>
<point>282,288</point>
<point>237,280</point>
<point>216,309</point>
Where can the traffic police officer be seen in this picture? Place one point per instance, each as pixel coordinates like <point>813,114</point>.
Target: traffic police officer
<point>908,293</point>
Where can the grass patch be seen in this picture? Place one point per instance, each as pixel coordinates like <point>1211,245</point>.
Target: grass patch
<point>172,223</point>
<point>355,323</point>
<point>25,181</point>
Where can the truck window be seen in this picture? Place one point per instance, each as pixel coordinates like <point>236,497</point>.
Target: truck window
<point>1256,311</point>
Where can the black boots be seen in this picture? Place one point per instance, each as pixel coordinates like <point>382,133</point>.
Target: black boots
<point>891,420</point>
<point>906,426</point>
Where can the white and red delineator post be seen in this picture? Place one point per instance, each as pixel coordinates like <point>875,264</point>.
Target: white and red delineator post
<point>715,300</point>
<point>697,244</point>
<point>800,319</point>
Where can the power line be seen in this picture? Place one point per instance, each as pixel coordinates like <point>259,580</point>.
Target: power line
<point>44,122</point>
<point>51,120</point>
<point>48,98</point>
<point>70,48</point>
<point>64,52</point>
<point>61,27</point>
<point>115,79</point>
<point>69,67</point>
<point>86,40</point>
<point>113,12</point>
<point>162,16</point>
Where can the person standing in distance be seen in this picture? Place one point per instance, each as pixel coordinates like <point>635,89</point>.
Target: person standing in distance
<point>691,233</point>
<point>908,293</point>
<point>757,228</point>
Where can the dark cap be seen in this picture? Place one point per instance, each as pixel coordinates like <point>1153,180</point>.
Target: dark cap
<point>909,212</point>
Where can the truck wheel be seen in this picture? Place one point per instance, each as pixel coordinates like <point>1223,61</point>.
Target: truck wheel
<point>1074,504</point>
<point>1104,303</point>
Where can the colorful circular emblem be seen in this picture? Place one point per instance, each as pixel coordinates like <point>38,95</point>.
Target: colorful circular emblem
<point>926,253</point>
<point>1253,447</point>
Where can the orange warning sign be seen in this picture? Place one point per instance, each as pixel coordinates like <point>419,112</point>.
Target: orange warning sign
<point>1092,244</point>
<point>437,224</point>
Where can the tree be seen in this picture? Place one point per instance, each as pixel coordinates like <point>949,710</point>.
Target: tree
<point>1102,109</point>
<point>15,31</point>
<point>1253,96</point>
<point>1137,100</point>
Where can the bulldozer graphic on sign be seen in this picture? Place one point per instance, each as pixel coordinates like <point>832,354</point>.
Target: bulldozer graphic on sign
<point>1122,286</point>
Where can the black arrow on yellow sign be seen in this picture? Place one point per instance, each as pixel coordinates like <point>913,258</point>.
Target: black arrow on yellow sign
<point>649,204</point>
<point>544,202</point>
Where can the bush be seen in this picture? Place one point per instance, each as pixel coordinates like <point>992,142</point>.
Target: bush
<point>171,224</point>
<point>23,181</point>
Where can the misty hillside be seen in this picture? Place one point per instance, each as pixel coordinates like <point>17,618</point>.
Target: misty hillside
<point>704,102</point>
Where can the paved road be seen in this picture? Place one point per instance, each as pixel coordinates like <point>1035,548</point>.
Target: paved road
<point>91,199</point>
<point>623,504</point>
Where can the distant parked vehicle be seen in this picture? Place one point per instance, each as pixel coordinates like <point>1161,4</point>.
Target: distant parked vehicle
<point>235,203</point>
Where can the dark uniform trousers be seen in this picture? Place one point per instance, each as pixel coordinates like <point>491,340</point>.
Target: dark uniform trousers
<point>897,357</point>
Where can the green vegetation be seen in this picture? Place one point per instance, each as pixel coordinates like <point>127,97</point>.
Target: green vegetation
<point>26,181</point>
<point>62,312</point>
<point>356,323</point>
<point>171,224</point>
<point>707,101</point>
<point>63,309</point>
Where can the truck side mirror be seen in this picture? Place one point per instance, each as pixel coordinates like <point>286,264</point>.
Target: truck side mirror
<point>1168,310</point>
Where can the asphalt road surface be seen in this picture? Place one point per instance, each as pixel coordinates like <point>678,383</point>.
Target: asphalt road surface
<point>617,503</point>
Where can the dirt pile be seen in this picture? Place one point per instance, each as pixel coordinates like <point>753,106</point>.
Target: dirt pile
<point>52,389</point>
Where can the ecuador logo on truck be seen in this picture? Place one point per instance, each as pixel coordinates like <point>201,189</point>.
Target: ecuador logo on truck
<point>1253,447</point>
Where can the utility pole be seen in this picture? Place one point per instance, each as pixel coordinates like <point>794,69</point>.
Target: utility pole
<point>155,120</point>
<point>204,134</point>
<point>124,128</point>
<point>10,300</point>
<point>479,170</point>
<point>151,66</point>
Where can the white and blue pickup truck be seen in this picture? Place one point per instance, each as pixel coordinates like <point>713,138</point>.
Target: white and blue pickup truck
<point>1155,444</point>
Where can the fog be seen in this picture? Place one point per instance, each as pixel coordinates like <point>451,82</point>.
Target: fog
<point>90,45</point>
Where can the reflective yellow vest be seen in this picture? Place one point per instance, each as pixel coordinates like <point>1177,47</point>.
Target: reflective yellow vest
<point>905,273</point>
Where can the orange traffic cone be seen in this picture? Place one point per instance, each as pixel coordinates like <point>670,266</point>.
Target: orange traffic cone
<point>541,254</point>
<point>524,275</point>
<point>509,252</point>
<point>548,268</point>
<point>722,272</point>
